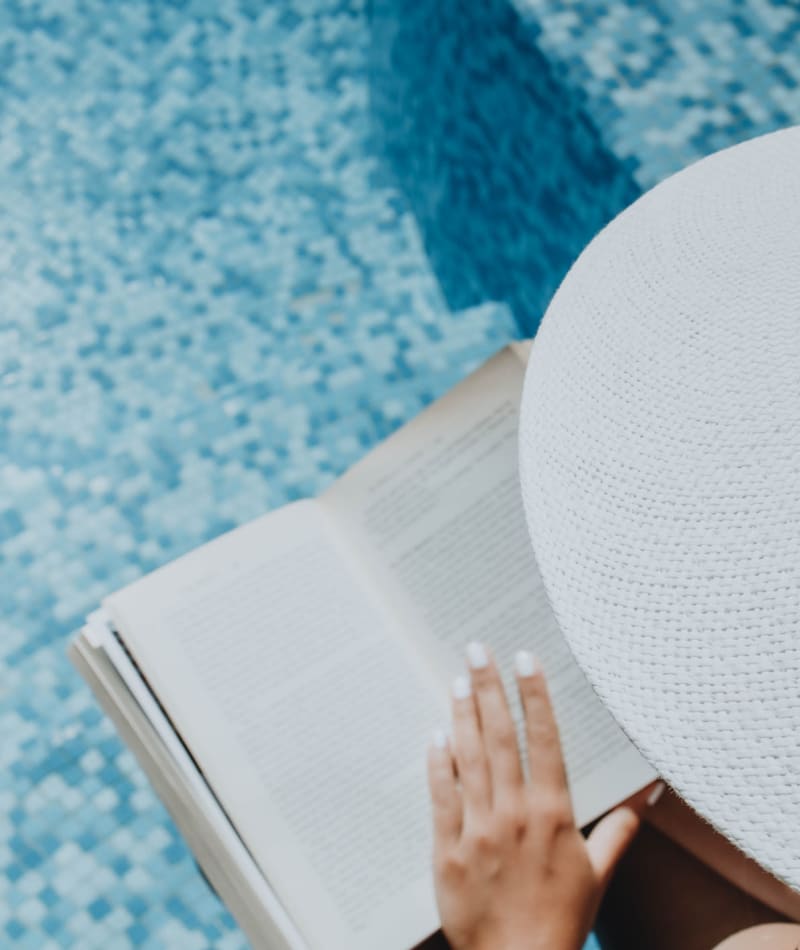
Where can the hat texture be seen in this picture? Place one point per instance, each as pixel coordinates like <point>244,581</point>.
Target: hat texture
<point>660,469</point>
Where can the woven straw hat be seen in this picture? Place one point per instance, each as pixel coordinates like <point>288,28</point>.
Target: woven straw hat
<point>660,468</point>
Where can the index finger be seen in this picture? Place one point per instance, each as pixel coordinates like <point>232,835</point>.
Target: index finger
<point>545,758</point>
<point>497,725</point>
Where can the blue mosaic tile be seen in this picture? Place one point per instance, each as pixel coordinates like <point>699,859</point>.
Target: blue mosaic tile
<point>508,177</point>
<point>666,83</point>
<point>240,243</point>
<point>214,300</point>
<point>518,128</point>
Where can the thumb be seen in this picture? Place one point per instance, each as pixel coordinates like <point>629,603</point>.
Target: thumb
<point>611,837</point>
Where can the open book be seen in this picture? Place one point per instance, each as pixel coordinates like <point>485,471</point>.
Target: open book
<point>280,684</point>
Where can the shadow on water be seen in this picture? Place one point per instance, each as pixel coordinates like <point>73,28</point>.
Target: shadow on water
<point>507,177</point>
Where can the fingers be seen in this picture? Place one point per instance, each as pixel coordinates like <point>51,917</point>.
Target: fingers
<point>611,837</point>
<point>545,759</point>
<point>496,724</point>
<point>484,744</point>
<point>445,796</point>
<point>468,750</point>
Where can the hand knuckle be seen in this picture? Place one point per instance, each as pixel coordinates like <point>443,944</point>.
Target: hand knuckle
<point>513,820</point>
<point>506,739</point>
<point>552,812</point>
<point>450,866</point>
<point>485,843</point>
<point>482,839</point>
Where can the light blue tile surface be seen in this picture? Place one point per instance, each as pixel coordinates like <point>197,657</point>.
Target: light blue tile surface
<point>213,301</point>
<point>241,242</point>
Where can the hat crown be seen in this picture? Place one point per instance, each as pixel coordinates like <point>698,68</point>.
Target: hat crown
<point>660,466</point>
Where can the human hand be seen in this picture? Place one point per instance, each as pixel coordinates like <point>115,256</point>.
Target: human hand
<point>512,871</point>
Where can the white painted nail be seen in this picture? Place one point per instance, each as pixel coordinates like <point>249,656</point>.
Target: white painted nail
<point>477,657</point>
<point>440,738</point>
<point>656,793</point>
<point>461,687</point>
<point>525,663</point>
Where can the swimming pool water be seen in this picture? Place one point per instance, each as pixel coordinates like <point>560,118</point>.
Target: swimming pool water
<point>240,242</point>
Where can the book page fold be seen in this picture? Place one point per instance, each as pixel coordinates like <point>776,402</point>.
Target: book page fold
<point>435,514</point>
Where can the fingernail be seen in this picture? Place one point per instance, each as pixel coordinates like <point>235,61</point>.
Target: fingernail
<point>461,687</point>
<point>656,793</point>
<point>477,657</point>
<point>525,663</point>
<point>440,739</point>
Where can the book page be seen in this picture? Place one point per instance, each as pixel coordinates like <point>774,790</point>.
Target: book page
<point>309,715</point>
<point>436,513</point>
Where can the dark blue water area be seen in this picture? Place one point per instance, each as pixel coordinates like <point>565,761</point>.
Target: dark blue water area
<point>507,177</point>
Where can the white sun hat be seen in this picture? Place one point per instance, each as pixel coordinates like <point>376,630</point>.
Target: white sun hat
<point>660,469</point>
